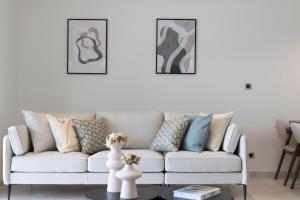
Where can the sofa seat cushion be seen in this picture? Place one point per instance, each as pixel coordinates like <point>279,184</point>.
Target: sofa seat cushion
<point>151,161</point>
<point>206,162</point>
<point>50,161</point>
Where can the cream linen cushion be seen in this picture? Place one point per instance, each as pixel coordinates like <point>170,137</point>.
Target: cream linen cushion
<point>232,137</point>
<point>40,131</point>
<point>64,133</point>
<point>19,139</point>
<point>218,127</point>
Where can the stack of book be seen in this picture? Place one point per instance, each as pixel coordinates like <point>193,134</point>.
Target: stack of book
<point>197,192</point>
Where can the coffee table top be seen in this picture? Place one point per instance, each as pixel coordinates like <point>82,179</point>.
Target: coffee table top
<point>149,193</point>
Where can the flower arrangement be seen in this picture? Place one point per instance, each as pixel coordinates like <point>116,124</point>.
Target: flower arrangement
<point>130,159</point>
<point>116,138</point>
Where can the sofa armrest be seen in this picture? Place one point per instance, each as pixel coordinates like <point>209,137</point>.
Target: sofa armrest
<point>242,152</point>
<point>7,157</point>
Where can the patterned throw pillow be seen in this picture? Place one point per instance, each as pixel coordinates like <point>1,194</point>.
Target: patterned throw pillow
<point>91,134</point>
<point>170,135</point>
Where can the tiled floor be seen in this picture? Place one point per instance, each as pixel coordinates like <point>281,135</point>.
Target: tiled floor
<point>266,188</point>
<point>260,188</point>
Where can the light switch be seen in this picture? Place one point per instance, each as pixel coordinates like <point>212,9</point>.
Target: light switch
<point>248,86</point>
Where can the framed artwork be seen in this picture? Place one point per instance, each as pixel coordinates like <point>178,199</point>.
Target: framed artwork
<point>87,46</point>
<point>176,46</point>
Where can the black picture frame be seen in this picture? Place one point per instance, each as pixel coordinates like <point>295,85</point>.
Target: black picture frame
<point>68,45</point>
<point>195,49</point>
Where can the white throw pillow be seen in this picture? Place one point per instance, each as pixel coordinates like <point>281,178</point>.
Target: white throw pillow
<point>40,131</point>
<point>218,127</point>
<point>64,134</point>
<point>232,137</point>
<point>20,139</point>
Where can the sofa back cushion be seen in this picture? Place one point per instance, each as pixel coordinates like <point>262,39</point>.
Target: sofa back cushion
<point>179,115</point>
<point>141,127</point>
<point>81,116</point>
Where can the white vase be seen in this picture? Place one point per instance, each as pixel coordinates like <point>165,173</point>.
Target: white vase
<point>114,164</point>
<point>128,175</point>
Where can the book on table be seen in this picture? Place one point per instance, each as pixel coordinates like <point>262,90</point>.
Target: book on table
<point>197,192</point>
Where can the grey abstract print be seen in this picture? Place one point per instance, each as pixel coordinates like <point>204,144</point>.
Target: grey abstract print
<point>176,46</point>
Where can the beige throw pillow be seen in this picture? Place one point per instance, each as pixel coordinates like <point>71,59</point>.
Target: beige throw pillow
<point>40,131</point>
<point>64,133</point>
<point>218,127</point>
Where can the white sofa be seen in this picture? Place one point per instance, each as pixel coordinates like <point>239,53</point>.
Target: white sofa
<point>180,167</point>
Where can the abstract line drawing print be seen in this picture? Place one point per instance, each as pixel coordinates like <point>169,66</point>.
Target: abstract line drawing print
<point>176,46</point>
<point>83,43</point>
<point>87,46</point>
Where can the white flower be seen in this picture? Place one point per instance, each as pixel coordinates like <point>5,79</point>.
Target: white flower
<point>116,138</point>
<point>130,159</point>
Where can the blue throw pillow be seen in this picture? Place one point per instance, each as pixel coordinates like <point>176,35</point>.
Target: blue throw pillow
<point>197,134</point>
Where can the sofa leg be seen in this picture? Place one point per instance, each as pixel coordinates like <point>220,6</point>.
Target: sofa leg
<point>245,191</point>
<point>8,191</point>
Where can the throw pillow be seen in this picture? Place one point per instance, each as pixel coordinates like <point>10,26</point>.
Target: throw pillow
<point>64,133</point>
<point>196,136</point>
<point>170,135</point>
<point>232,137</point>
<point>20,139</point>
<point>218,126</point>
<point>40,131</point>
<point>91,134</point>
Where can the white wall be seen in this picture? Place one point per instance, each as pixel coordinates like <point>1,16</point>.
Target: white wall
<point>8,73</point>
<point>238,41</point>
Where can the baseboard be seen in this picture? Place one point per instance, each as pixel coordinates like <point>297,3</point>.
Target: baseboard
<point>270,174</point>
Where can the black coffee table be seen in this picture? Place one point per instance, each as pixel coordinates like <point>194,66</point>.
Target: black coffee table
<point>150,192</point>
